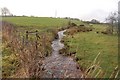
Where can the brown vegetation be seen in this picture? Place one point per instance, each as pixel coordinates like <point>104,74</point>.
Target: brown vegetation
<point>73,28</point>
<point>107,31</point>
<point>29,53</point>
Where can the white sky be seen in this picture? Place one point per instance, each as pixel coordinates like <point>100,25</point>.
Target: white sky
<point>82,9</point>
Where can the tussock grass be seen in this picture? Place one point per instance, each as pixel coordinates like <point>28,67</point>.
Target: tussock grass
<point>28,57</point>
<point>95,70</point>
<point>96,53</point>
<point>87,45</point>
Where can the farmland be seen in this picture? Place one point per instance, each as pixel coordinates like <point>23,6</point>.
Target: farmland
<point>36,22</point>
<point>87,45</point>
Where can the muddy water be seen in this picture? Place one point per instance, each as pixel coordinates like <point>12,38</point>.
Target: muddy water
<point>58,66</point>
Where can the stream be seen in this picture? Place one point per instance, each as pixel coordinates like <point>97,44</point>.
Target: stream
<point>58,66</point>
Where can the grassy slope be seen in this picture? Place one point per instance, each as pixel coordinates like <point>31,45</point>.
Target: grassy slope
<point>38,22</point>
<point>89,44</point>
<point>31,24</point>
<point>33,21</point>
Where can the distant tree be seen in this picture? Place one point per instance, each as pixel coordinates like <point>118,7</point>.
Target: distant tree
<point>5,11</point>
<point>112,19</point>
<point>94,21</point>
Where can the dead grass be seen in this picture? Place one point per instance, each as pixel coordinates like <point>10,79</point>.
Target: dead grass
<point>29,57</point>
<point>88,44</point>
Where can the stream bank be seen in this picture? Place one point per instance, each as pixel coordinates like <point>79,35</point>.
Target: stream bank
<point>59,66</point>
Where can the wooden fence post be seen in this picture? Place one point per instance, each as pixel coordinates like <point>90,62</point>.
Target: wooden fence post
<point>26,42</point>
<point>23,40</point>
<point>36,45</point>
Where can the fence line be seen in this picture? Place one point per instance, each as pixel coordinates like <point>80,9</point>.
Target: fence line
<point>28,51</point>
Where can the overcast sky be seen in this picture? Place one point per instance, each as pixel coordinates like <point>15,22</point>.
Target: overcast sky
<point>82,9</point>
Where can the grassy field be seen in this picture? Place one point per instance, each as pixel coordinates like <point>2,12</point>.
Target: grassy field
<point>39,22</point>
<point>86,44</point>
<point>22,24</point>
<point>89,44</point>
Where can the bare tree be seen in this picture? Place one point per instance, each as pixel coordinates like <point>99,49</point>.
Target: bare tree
<point>112,19</point>
<point>5,11</point>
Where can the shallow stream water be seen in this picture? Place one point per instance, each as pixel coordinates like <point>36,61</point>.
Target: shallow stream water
<point>58,66</point>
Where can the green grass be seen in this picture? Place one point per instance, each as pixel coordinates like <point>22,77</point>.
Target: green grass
<point>45,24</point>
<point>100,27</point>
<point>34,21</point>
<point>42,24</point>
<point>89,44</point>
<point>39,22</point>
<point>9,62</point>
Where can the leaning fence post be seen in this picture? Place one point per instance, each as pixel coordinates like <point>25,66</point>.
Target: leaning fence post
<point>36,45</point>
<point>26,37</point>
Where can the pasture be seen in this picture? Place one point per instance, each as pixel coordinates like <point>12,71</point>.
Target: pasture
<point>87,45</point>
<point>38,22</point>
